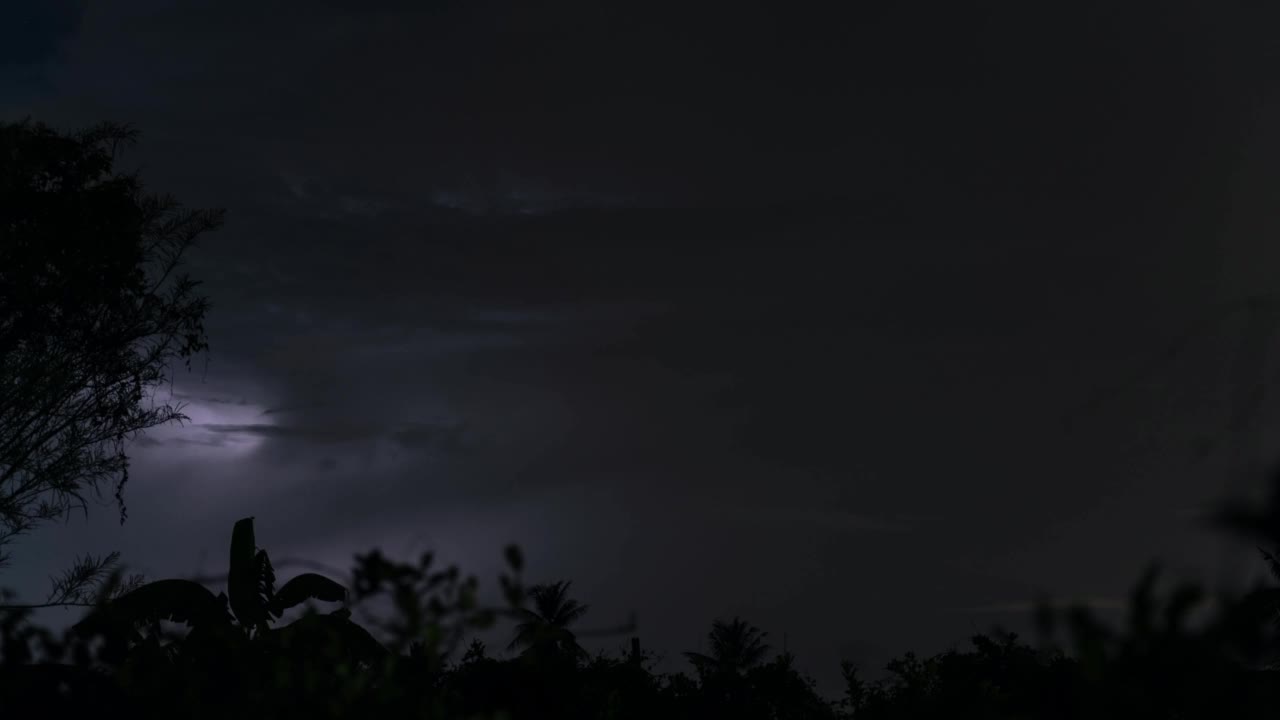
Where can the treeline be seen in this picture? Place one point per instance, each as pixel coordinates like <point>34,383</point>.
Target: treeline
<point>172,648</point>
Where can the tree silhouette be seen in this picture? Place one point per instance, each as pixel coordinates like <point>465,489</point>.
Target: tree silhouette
<point>736,646</point>
<point>544,630</point>
<point>92,312</point>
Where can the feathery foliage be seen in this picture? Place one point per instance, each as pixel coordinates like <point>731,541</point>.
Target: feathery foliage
<point>92,313</point>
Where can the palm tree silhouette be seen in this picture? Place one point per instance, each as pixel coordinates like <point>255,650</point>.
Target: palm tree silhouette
<point>736,646</point>
<point>544,630</point>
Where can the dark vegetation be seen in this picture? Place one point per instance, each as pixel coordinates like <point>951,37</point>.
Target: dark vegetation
<point>91,312</point>
<point>174,646</point>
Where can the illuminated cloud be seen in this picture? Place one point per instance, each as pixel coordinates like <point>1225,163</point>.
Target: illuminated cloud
<point>219,428</point>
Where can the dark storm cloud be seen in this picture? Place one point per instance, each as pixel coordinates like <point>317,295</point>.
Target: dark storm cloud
<point>33,32</point>
<point>688,292</point>
<point>496,99</point>
<point>31,35</point>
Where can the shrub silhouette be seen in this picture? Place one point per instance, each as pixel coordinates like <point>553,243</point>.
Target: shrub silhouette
<point>231,662</point>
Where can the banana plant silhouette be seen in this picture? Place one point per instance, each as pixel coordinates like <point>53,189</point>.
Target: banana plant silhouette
<point>252,602</point>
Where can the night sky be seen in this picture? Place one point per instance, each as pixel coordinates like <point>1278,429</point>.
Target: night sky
<point>856,325</point>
